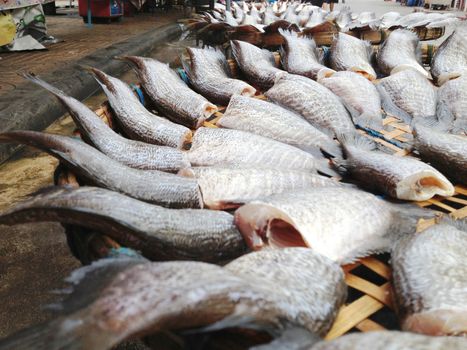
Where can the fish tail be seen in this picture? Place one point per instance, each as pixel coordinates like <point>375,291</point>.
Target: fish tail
<point>102,78</point>
<point>406,218</point>
<point>323,166</point>
<point>34,79</point>
<point>390,107</point>
<point>356,140</point>
<point>369,120</point>
<point>135,61</point>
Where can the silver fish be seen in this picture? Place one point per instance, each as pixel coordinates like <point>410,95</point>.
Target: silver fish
<point>316,18</point>
<point>95,167</point>
<point>343,18</point>
<point>137,121</point>
<point>389,19</point>
<point>399,177</point>
<point>170,94</point>
<point>272,121</point>
<point>359,96</point>
<point>135,154</point>
<point>259,66</point>
<point>450,60</point>
<point>225,188</point>
<point>353,54</point>
<point>208,73</point>
<point>116,299</point>
<point>401,50</point>
<point>410,18</point>
<point>446,152</point>
<point>341,223</point>
<point>301,56</point>
<point>391,340</point>
<point>408,95</point>
<point>430,280</point>
<point>451,109</point>
<point>313,101</point>
<point>159,233</point>
<point>214,146</point>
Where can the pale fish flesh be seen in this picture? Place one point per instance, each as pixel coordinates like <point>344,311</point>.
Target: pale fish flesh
<point>401,50</point>
<point>359,96</point>
<point>225,188</point>
<point>301,56</point>
<point>275,122</point>
<point>208,72</point>
<point>446,152</point>
<point>317,104</point>
<point>259,66</point>
<point>159,233</point>
<point>353,54</point>
<point>341,223</point>
<point>399,177</point>
<point>430,279</point>
<point>408,95</point>
<point>450,60</point>
<point>215,146</point>
<point>170,94</point>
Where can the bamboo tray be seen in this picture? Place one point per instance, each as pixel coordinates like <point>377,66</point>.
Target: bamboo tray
<point>369,306</point>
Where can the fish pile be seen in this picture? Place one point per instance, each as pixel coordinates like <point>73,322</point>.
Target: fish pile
<point>242,220</point>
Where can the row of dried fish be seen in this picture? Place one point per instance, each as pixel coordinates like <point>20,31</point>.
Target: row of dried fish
<point>306,15</point>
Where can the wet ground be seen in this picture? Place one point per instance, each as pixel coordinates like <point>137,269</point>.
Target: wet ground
<point>34,258</point>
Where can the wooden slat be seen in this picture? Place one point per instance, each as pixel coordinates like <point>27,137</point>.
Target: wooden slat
<point>377,266</point>
<point>380,293</point>
<point>369,326</point>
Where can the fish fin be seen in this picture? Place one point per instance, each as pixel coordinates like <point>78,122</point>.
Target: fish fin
<point>356,140</point>
<point>460,224</point>
<point>323,166</point>
<point>406,217</point>
<point>432,122</point>
<point>283,57</point>
<point>368,120</point>
<point>288,33</point>
<point>390,107</point>
<point>52,89</point>
<point>292,339</point>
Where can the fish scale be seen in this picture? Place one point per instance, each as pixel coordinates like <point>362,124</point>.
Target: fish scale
<point>451,109</point>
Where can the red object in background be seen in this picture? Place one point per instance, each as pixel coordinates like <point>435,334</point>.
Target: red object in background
<point>101,8</point>
<point>129,9</point>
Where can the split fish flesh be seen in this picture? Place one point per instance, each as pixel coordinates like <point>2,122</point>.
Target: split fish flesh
<point>134,298</point>
<point>301,56</point>
<point>317,104</point>
<point>446,152</point>
<point>399,177</point>
<point>450,60</point>
<point>430,279</point>
<point>352,54</point>
<point>94,131</point>
<point>170,94</point>
<point>225,147</point>
<point>208,73</point>
<point>159,233</point>
<point>391,340</point>
<point>339,222</point>
<point>225,188</point>
<point>451,109</point>
<point>95,167</point>
<point>275,122</point>
<point>401,50</point>
<point>359,96</point>
<point>136,121</point>
<point>259,66</point>
<point>408,95</point>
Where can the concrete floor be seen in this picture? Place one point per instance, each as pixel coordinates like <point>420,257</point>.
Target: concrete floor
<point>34,258</point>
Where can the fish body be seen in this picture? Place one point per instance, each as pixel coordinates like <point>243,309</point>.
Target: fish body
<point>135,154</point>
<point>408,95</point>
<point>116,299</point>
<point>136,121</point>
<point>208,73</point>
<point>341,223</point>
<point>399,177</point>
<point>95,167</point>
<point>259,66</point>
<point>391,340</point>
<point>432,303</point>
<point>446,152</point>
<point>389,19</point>
<point>225,188</point>
<point>450,60</point>
<point>451,109</point>
<point>317,104</point>
<point>413,17</point>
<point>159,233</point>
<point>300,56</point>
<point>275,122</point>
<point>352,54</point>
<point>400,51</point>
<point>316,18</point>
<point>226,147</point>
<point>170,94</point>
<point>359,96</point>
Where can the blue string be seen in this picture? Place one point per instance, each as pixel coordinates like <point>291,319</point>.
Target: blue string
<point>140,94</point>
<point>183,75</point>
